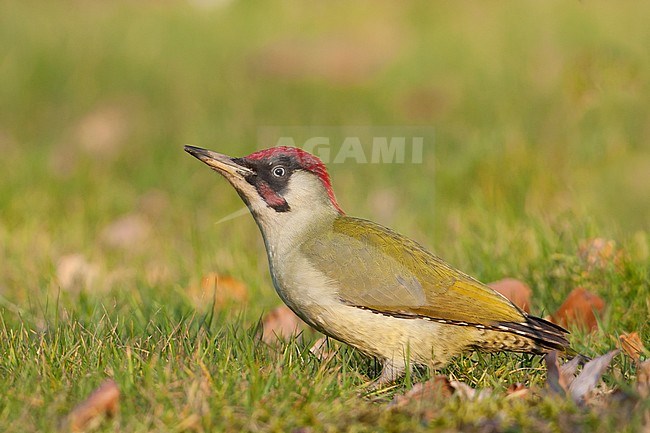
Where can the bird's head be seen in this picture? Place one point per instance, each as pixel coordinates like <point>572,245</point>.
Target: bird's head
<point>277,183</point>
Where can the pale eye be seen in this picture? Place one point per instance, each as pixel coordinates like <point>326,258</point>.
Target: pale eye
<point>278,171</point>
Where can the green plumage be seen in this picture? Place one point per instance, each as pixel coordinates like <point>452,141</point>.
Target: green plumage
<point>382,271</point>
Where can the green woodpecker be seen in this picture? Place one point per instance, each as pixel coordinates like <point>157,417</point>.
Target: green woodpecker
<point>363,284</point>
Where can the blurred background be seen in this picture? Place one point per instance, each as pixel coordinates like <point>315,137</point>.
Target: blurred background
<point>541,114</point>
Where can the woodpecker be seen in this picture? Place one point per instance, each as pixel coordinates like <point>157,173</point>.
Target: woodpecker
<point>364,284</point>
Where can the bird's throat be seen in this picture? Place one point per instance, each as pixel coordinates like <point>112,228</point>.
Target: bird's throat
<point>272,198</point>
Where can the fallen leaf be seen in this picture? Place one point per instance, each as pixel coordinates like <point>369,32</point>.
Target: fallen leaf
<point>435,388</point>
<point>322,349</point>
<point>632,345</point>
<point>75,273</point>
<point>127,232</point>
<point>281,324</point>
<point>466,392</point>
<point>589,377</point>
<point>556,379</point>
<point>217,291</point>
<point>581,308</point>
<point>569,368</point>
<point>562,380</point>
<point>103,401</point>
<point>517,390</point>
<point>516,291</point>
<point>599,253</point>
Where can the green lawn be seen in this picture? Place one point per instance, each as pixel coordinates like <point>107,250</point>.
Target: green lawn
<point>541,132</point>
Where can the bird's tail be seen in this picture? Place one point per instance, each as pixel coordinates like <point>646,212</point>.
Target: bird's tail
<point>534,335</point>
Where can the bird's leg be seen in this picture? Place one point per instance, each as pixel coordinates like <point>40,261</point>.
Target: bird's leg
<point>391,371</point>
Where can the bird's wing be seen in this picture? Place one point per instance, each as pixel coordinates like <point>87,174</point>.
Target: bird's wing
<point>379,270</point>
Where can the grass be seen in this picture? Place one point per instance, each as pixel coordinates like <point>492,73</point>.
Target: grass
<point>541,132</point>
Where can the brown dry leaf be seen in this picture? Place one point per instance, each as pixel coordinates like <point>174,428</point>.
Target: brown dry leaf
<point>517,390</point>
<point>322,349</point>
<point>516,291</point>
<point>632,345</point>
<point>580,308</point>
<point>569,368</point>
<point>75,273</point>
<point>435,388</point>
<point>218,290</point>
<point>598,253</point>
<point>556,379</point>
<point>281,324</point>
<point>127,232</point>
<point>589,377</point>
<point>466,392</point>
<point>562,379</point>
<point>103,401</point>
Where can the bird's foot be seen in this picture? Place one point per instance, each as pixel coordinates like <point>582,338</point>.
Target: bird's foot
<point>390,373</point>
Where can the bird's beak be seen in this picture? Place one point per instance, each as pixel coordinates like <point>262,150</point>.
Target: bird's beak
<point>220,163</point>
